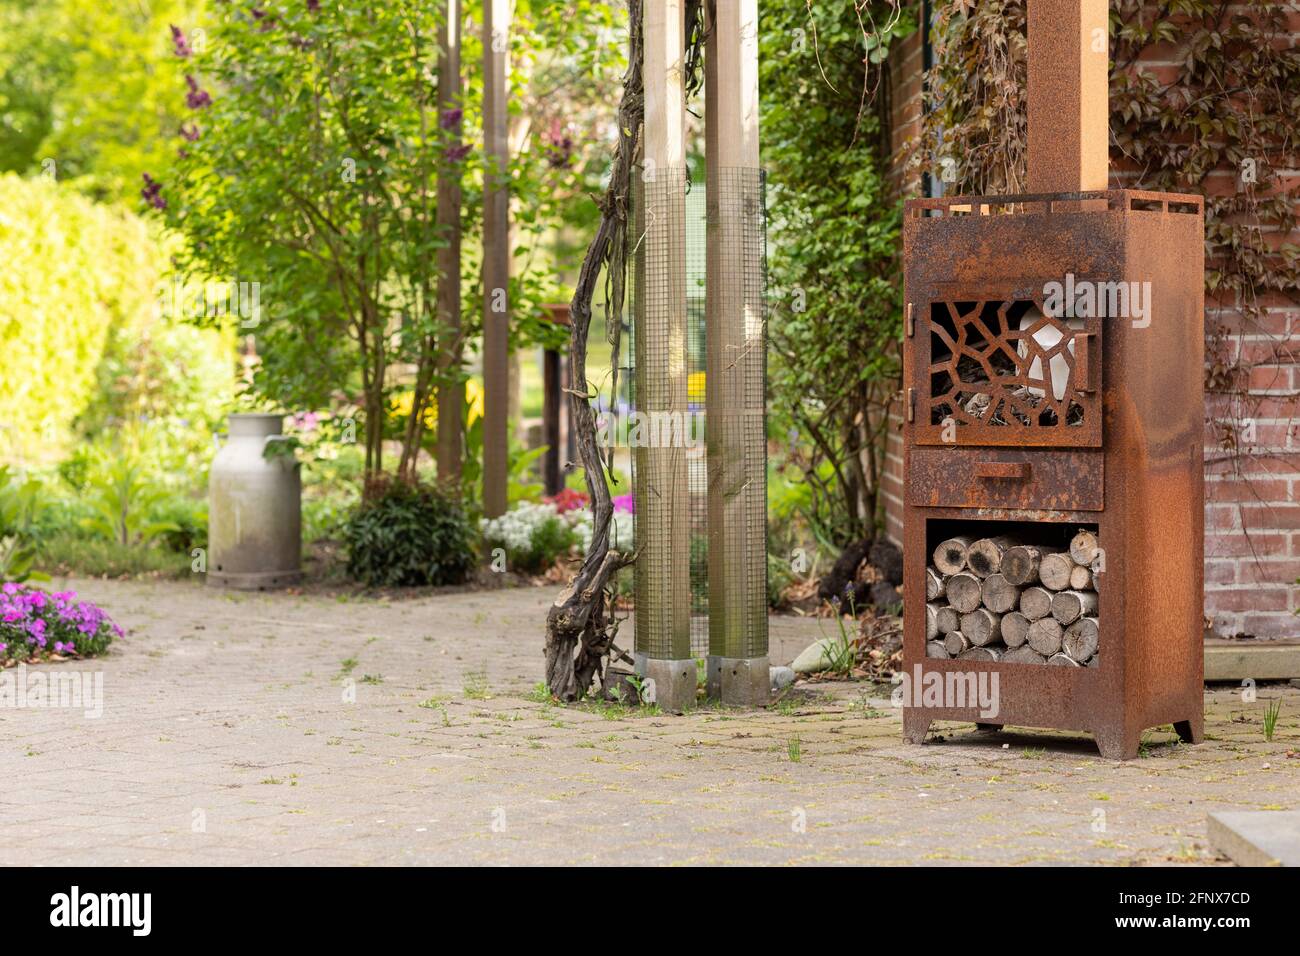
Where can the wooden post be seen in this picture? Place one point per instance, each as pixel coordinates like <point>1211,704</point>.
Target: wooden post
<point>496,259</point>
<point>552,405</point>
<point>1068,140</point>
<point>735,315</point>
<point>451,395</point>
<point>663,588</point>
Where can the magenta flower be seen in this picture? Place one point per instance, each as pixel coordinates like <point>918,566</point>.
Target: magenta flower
<point>625,503</point>
<point>31,620</point>
<point>189,132</point>
<point>456,153</point>
<point>180,46</point>
<point>152,193</point>
<point>450,119</point>
<point>197,98</point>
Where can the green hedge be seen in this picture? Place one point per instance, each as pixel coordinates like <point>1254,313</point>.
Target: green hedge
<point>73,270</point>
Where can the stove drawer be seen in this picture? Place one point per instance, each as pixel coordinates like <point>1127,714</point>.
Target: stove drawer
<point>1029,480</point>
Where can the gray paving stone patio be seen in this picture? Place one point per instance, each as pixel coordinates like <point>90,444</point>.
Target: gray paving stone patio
<point>310,729</point>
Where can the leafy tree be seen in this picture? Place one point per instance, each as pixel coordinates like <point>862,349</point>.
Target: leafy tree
<point>834,272</point>
<point>309,164</point>
<point>308,167</point>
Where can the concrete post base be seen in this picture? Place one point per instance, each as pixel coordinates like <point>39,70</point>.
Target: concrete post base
<point>670,684</point>
<point>740,681</point>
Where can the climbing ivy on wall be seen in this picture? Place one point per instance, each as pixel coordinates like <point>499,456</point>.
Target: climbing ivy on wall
<point>1204,98</point>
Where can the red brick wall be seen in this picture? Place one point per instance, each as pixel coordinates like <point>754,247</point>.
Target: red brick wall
<point>905,67</point>
<point>1252,514</point>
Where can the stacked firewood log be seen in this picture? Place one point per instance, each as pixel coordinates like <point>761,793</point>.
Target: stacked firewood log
<point>1000,599</point>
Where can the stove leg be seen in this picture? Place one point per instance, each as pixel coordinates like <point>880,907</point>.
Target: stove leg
<point>1191,731</point>
<point>915,725</point>
<point>1118,743</point>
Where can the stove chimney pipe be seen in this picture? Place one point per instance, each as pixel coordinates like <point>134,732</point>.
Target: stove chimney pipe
<point>1069,122</point>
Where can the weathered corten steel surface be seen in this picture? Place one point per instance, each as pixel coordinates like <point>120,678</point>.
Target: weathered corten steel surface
<point>1138,484</point>
<point>1066,96</point>
<point>1047,480</point>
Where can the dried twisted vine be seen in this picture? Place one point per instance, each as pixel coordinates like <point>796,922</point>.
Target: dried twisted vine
<point>580,630</point>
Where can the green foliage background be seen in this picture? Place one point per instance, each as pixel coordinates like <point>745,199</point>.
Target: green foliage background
<point>834,269</point>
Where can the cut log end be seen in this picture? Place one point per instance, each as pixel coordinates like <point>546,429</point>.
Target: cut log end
<point>1015,629</point>
<point>1035,602</point>
<point>1020,564</point>
<point>1084,549</point>
<point>936,584</point>
<point>965,592</point>
<point>1069,606</point>
<point>999,594</point>
<point>950,556</point>
<point>1054,571</point>
<point>1081,639</point>
<point>981,626</point>
<point>955,643</point>
<point>1024,654</point>
<point>1045,636</point>
<point>984,557</point>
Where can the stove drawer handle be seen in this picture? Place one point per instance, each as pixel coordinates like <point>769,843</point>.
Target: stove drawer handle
<point>1018,470</point>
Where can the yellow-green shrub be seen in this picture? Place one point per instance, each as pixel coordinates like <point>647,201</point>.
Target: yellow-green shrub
<point>72,271</point>
<point>86,352</point>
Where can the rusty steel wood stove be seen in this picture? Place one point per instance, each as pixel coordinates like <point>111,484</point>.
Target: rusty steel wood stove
<point>1043,399</point>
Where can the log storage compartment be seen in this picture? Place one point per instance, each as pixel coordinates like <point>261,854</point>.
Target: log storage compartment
<point>1052,450</point>
<point>1026,594</point>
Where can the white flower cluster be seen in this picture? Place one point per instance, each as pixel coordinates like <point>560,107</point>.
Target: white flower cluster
<point>620,529</point>
<point>515,528</point>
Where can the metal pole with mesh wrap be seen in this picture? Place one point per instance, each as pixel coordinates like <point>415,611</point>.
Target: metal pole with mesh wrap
<point>663,586</point>
<point>700,320</point>
<point>736,347</point>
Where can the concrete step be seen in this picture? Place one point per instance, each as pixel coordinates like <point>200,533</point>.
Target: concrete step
<point>1256,837</point>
